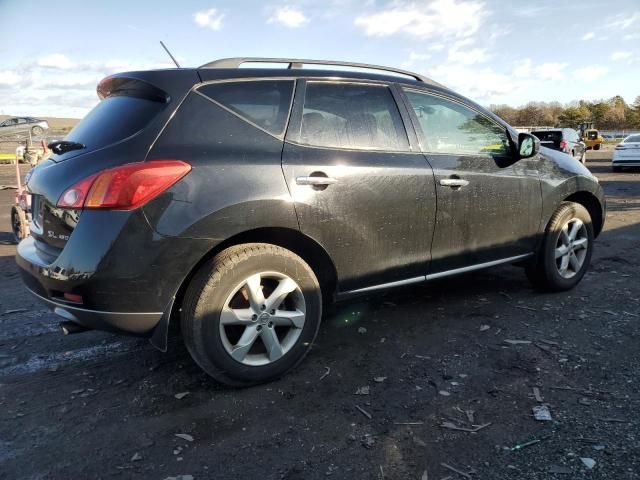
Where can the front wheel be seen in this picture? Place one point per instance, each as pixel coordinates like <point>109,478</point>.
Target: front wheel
<point>566,249</point>
<point>596,147</point>
<point>36,131</point>
<point>251,314</point>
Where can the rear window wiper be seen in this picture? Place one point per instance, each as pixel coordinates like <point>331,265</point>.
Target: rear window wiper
<point>63,146</point>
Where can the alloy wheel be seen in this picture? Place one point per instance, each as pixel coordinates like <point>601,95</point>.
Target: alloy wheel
<point>571,248</point>
<point>262,318</point>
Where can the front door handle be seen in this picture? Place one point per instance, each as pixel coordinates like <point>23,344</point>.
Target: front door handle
<point>454,182</point>
<point>316,181</point>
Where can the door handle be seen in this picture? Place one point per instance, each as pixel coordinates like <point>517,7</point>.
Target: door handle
<point>316,181</point>
<point>454,182</point>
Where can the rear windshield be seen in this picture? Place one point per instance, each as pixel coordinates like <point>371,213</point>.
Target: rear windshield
<point>113,119</point>
<point>549,136</point>
<point>632,139</point>
<point>592,135</point>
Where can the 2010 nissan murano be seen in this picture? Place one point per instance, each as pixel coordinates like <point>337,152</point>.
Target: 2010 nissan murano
<point>239,200</point>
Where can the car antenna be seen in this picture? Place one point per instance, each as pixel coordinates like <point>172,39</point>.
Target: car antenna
<point>169,53</point>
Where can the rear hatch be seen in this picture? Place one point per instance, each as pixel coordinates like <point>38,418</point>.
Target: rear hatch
<point>132,111</point>
<point>549,138</point>
<point>629,149</point>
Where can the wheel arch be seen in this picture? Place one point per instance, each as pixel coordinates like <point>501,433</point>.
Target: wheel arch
<point>305,247</point>
<point>589,201</point>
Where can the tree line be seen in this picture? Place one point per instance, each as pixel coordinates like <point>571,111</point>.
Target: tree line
<point>612,114</point>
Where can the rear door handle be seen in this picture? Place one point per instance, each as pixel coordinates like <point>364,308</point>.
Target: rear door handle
<point>316,181</point>
<point>454,182</point>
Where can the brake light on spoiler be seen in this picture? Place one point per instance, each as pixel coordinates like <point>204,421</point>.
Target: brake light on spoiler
<point>125,187</point>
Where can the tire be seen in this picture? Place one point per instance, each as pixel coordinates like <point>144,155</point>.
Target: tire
<point>616,169</point>
<point>596,147</point>
<point>18,223</point>
<point>37,131</point>
<point>225,284</point>
<point>544,271</point>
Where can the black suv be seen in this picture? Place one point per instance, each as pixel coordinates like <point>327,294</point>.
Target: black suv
<point>239,200</point>
<point>566,140</point>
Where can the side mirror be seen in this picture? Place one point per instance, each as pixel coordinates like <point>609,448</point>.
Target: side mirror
<point>528,145</point>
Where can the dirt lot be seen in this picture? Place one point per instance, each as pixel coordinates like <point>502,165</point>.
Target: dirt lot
<point>99,406</point>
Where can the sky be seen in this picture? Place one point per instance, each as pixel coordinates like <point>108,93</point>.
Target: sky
<point>53,53</point>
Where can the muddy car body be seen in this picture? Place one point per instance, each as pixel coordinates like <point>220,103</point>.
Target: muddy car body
<point>239,200</point>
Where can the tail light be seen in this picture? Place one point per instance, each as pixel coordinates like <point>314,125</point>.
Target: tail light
<point>126,187</point>
<point>564,145</point>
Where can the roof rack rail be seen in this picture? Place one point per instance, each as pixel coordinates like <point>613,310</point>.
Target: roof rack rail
<point>296,63</point>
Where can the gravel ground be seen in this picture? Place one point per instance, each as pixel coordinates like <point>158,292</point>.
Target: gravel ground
<point>449,394</point>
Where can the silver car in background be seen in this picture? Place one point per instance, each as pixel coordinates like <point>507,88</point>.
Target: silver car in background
<point>22,126</point>
<point>627,153</point>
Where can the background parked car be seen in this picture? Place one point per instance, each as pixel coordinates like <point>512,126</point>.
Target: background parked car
<point>22,125</point>
<point>566,140</point>
<point>627,153</point>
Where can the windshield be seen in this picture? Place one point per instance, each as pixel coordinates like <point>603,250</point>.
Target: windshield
<point>632,139</point>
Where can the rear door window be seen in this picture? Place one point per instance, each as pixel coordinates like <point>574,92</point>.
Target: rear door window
<point>352,116</point>
<point>264,103</point>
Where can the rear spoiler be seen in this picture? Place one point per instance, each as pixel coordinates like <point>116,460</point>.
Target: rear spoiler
<point>155,85</point>
<point>130,87</point>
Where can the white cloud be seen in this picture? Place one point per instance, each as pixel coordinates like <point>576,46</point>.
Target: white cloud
<point>9,78</point>
<point>589,36</point>
<point>469,57</point>
<point>623,21</point>
<point>591,72</point>
<point>632,36</point>
<point>482,84</point>
<point>523,68</point>
<point>545,71</point>
<point>458,18</point>
<point>617,56</point>
<point>523,11</point>
<point>550,71</point>
<point>209,19</point>
<point>290,17</point>
<point>415,58</point>
<point>57,61</point>
<point>56,85</point>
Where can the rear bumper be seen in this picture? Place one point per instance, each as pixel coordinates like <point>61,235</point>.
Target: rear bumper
<point>626,162</point>
<point>126,275</point>
<point>135,323</point>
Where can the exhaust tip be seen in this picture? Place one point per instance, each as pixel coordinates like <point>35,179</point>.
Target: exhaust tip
<point>69,328</point>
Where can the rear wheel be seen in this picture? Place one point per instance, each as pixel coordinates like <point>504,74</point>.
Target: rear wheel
<point>566,249</point>
<point>37,131</point>
<point>596,147</point>
<point>251,314</point>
